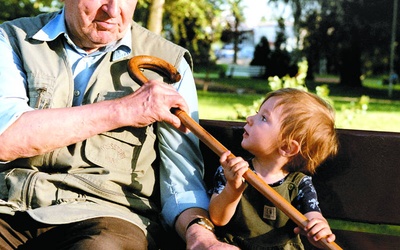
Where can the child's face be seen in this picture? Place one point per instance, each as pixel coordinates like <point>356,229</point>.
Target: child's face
<point>261,136</point>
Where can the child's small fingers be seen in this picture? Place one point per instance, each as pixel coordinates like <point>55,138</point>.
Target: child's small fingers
<point>311,223</point>
<point>331,238</point>
<point>322,233</point>
<point>225,155</point>
<point>240,164</point>
<point>298,230</point>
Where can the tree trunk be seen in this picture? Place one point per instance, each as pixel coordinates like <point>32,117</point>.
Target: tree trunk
<point>155,17</point>
<point>350,72</point>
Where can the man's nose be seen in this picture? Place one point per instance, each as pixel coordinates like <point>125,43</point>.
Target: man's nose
<point>112,7</point>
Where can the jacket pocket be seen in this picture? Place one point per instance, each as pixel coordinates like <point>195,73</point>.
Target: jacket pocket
<point>117,149</point>
<point>26,192</point>
<point>41,90</point>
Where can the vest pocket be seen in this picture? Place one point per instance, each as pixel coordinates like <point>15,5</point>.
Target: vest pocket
<point>115,149</point>
<point>40,91</point>
<point>27,192</point>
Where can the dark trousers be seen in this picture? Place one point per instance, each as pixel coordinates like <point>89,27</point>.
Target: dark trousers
<point>22,232</point>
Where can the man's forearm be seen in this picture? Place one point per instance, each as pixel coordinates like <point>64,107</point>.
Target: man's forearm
<point>40,131</point>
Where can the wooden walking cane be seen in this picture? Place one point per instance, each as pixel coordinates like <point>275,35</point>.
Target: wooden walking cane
<point>137,63</point>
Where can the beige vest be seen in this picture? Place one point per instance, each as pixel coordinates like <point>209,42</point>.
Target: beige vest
<point>114,169</point>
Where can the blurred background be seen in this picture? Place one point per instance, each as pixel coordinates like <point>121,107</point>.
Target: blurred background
<point>344,51</point>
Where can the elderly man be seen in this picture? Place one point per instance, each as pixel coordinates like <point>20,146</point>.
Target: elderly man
<point>79,138</point>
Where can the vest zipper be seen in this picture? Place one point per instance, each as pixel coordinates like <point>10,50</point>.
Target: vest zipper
<point>96,188</point>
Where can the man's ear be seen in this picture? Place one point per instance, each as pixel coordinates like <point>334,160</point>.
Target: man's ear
<point>289,149</point>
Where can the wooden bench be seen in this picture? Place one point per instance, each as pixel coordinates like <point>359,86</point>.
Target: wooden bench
<point>245,70</point>
<point>360,187</point>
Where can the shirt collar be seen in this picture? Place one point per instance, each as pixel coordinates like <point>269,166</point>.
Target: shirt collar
<point>56,27</point>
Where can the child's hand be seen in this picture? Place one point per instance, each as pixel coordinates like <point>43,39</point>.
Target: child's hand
<point>316,229</point>
<point>234,168</point>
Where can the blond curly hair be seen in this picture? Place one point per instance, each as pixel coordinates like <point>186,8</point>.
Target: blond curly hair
<point>309,120</point>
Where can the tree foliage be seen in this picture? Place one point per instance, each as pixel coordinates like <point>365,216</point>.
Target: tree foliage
<point>352,37</point>
<point>191,24</point>
<point>232,33</point>
<point>12,9</point>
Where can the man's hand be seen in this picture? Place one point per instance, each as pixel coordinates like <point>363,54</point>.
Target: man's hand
<point>152,102</point>
<point>197,237</point>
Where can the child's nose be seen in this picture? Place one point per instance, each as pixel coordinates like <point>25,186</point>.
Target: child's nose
<point>249,119</point>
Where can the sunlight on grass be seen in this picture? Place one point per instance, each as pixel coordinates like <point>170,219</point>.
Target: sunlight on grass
<point>219,106</point>
<point>364,227</point>
<point>378,121</point>
<point>381,116</point>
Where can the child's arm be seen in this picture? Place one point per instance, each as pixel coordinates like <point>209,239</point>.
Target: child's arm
<point>223,205</point>
<point>316,229</point>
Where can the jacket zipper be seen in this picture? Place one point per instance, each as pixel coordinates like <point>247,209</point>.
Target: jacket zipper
<point>96,188</point>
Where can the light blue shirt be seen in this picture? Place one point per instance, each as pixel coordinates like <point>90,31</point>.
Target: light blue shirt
<point>182,167</point>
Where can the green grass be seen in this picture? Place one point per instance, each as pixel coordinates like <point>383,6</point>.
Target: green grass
<point>365,227</point>
<point>383,112</point>
<point>219,105</point>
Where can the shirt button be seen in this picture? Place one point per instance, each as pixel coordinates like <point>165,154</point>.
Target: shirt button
<point>77,93</point>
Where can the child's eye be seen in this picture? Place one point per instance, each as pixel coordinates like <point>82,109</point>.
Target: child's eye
<point>263,118</point>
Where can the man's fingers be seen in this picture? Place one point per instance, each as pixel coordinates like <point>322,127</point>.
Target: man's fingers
<point>156,100</point>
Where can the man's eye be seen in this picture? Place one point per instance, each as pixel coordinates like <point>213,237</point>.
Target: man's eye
<point>263,118</point>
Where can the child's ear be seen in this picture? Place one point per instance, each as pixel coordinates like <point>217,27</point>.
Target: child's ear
<point>289,149</point>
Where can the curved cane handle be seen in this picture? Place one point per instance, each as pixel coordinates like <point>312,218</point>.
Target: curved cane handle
<point>158,65</point>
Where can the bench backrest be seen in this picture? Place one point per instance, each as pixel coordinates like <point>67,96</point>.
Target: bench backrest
<point>360,184</point>
<point>245,70</point>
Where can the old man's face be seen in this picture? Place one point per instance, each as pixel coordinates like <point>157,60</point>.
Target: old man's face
<point>93,24</point>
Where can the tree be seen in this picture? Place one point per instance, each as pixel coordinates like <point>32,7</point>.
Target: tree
<point>237,12</point>
<point>232,33</point>
<point>262,53</point>
<point>12,9</point>
<point>281,63</point>
<point>191,24</point>
<point>298,8</point>
<point>196,31</point>
<point>155,16</point>
<point>351,36</point>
